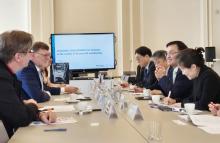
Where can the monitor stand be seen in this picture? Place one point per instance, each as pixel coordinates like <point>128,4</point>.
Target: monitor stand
<point>96,74</point>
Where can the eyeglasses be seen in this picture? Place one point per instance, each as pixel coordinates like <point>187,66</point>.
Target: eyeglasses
<point>44,55</point>
<point>138,58</point>
<point>172,53</point>
<point>25,52</point>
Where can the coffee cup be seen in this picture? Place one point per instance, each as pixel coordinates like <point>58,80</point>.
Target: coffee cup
<point>189,107</point>
<point>155,99</point>
<point>82,106</point>
<point>146,92</point>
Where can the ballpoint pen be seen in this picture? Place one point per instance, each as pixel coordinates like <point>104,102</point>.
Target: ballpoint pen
<point>169,94</point>
<point>168,97</point>
<point>55,129</point>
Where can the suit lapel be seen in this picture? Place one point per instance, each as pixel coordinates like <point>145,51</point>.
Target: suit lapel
<point>36,73</point>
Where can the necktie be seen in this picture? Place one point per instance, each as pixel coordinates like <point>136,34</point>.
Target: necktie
<point>41,80</point>
<point>174,74</point>
<point>145,74</point>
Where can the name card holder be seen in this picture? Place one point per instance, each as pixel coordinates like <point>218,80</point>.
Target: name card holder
<point>123,104</point>
<point>110,110</point>
<point>97,96</point>
<point>102,101</point>
<point>134,112</point>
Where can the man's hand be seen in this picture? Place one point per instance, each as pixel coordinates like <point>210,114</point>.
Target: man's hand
<point>70,89</point>
<point>214,108</point>
<point>124,85</point>
<point>160,72</point>
<point>30,101</point>
<point>169,101</point>
<point>47,117</point>
<point>156,92</point>
<point>138,90</point>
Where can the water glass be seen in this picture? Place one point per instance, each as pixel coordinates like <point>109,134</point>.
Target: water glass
<point>155,132</point>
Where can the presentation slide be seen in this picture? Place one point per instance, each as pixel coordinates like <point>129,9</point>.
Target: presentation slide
<point>92,51</point>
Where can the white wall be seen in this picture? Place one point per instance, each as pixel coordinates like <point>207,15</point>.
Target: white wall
<point>216,26</point>
<point>42,19</point>
<point>168,20</point>
<point>78,16</point>
<point>215,31</point>
<point>14,15</point>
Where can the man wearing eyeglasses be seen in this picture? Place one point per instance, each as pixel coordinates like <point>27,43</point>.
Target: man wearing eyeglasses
<point>14,55</point>
<point>32,79</point>
<point>174,85</point>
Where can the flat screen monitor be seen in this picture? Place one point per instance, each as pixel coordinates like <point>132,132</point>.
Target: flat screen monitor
<point>84,51</point>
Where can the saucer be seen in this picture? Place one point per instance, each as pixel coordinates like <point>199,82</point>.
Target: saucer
<point>72,101</point>
<point>195,112</point>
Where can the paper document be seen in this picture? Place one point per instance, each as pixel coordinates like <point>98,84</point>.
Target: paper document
<point>62,99</point>
<point>60,120</point>
<point>211,130</point>
<point>205,120</point>
<point>59,108</point>
<point>208,123</point>
<point>184,117</point>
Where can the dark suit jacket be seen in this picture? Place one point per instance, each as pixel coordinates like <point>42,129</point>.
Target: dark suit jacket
<point>13,112</point>
<point>31,84</point>
<point>206,89</point>
<point>181,88</point>
<point>148,79</point>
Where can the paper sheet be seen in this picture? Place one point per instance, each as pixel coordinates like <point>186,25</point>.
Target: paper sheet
<point>205,120</point>
<point>59,108</point>
<point>208,123</point>
<point>60,120</point>
<point>184,117</point>
<point>211,130</point>
<point>61,99</point>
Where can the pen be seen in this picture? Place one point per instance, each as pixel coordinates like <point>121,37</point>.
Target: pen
<point>56,129</point>
<point>169,94</point>
<point>168,97</point>
<point>98,109</point>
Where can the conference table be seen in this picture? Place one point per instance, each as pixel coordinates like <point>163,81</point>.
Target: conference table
<point>171,132</point>
<point>97,127</point>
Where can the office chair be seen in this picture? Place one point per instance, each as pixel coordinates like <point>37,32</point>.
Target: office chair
<point>3,134</point>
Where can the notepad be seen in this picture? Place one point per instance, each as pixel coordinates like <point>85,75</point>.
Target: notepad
<point>60,108</point>
<point>208,123</point>
<point>60,120</point>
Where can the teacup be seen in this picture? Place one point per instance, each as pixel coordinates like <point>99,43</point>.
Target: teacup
<point>155,99</point>
<point>189,107</point>
<point>146,92</point>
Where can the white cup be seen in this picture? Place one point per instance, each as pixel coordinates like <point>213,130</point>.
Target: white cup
<point>155,99</point>
<point>72,97</point>
<point>146,92</point>
<point>82,106</point>
<point>189,107</point>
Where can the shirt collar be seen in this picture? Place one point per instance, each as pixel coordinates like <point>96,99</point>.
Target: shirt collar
<point>147,66</point>
<point>38,69</point>
<point>175,69</point>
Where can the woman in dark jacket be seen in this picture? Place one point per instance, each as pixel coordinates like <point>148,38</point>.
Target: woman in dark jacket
<point>206,82</point>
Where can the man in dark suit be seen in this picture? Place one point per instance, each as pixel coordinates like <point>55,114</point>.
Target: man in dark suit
<point>14,55</point>
<point>32,79</point>
<point>145,71</point>
<point>173,82</point>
